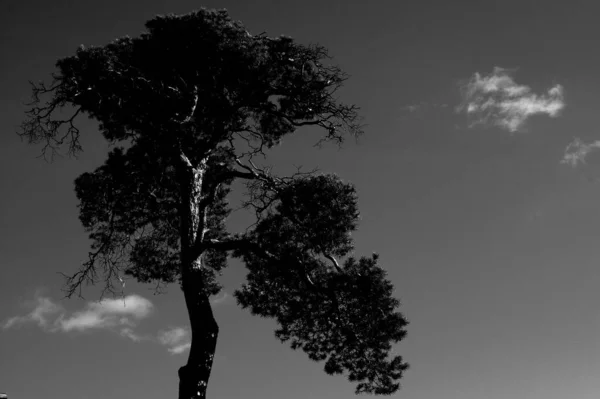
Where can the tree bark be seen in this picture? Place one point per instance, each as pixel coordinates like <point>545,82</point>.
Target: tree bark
<point>193,377</point>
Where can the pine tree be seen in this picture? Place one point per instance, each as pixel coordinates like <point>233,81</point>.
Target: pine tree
<point>188,106</point>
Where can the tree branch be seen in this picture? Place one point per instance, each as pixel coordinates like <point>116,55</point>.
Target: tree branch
<point>87,273</point>
<point>334,261</point>
<point>191,114</point>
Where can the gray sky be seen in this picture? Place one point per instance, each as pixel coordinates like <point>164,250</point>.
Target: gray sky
<point>490,240</point>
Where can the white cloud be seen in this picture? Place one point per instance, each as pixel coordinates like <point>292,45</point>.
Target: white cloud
<point>577,151</point>
<point>496,99</point>
<point>173,335</point>
<point>179,349</point>
<point>43,310</point>
<point>118,315</point>
<point>176,339</point>
<point>129,333</point>
<point>108,313</point>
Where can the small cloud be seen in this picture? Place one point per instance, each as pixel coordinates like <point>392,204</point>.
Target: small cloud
<point>176,339</point>
<point>108,313</point>
<point>173,335</point>
<point>43,310</point>
<point>179,349</point>
<point>128,332</point>
<point>577,151</point>
<point>496,99</point>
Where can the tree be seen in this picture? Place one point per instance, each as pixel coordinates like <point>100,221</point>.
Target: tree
<point>188,106</point>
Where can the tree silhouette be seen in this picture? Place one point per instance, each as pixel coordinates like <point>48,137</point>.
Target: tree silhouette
<point>188,106</point>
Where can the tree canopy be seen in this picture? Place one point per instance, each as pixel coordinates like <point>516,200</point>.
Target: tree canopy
<point>189,106</point>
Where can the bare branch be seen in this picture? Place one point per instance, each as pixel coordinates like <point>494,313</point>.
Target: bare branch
<point>41,126</point>
<point>109,261</point>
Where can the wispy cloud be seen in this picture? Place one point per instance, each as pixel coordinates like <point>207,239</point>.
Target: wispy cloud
<point>118,315</point>
<point>496,99</point>
<point>577,151</point>
<point>128,332</point>
<point>176,339</point>
<point>43,310</point>
<point>108,313</point>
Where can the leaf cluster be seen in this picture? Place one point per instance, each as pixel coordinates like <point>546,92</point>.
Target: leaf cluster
<point>192,82</point>
<point>343,315</point>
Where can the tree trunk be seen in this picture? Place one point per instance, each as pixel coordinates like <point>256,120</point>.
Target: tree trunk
<point>193,377</point>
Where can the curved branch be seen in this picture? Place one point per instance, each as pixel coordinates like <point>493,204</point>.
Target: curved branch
<point>334,261</point>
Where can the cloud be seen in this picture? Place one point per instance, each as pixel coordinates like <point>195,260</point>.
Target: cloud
<point>118,315</point>
<point>496,99</point>
<point>179,349</point>
<point>577,151</point>
<point>108,313</point>
<point>43,310</point>
<point>176,339</point>
<point>128,332</point>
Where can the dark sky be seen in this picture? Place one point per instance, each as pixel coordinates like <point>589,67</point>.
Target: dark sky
<point>491,241</point>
